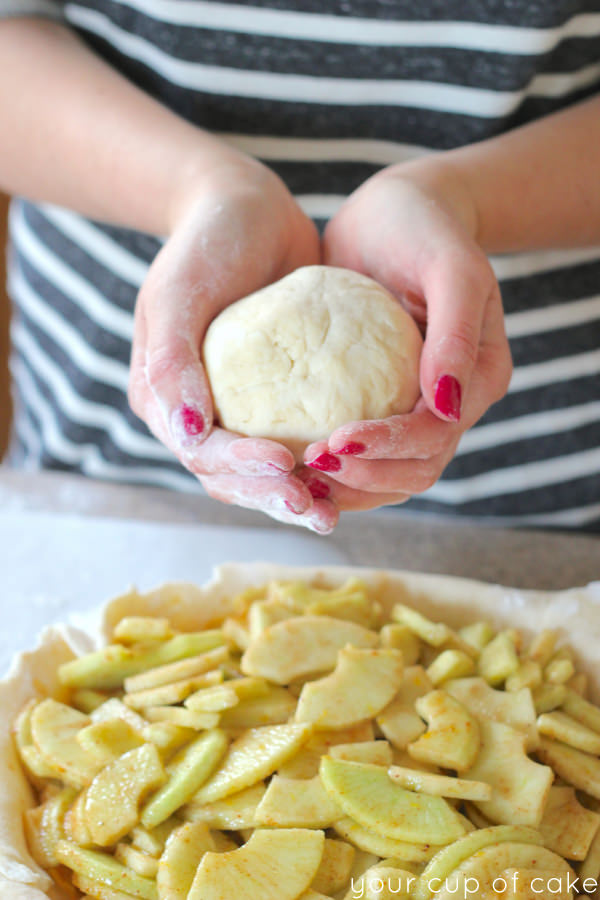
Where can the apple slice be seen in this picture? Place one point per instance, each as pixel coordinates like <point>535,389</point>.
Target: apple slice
<point>379,753</point>
<point>564,728</point>
<point>106,741</point>
<point>567,827</point>
<point>439,785</point>
<point>142,630</point>
<point>366,794</point>
<point>252,757</point>
<point>108,668</point>
<point>400,637</point>
<point>54,729</point>
<point>137,860</point>
<point>334,868</point>
<point>383,882</point>
<point>96,890</point>
<point>102,867</point>
<point>585,712</point>
<point>296,803</point>
<point>499,659</point>
<point>190,667</point>
<point>302,646</point>
<point>453,737</point>
<point>449,858</point>
<point>274,707</point>
<point>189,769</point>
<point>182,855</point>
<point>113,797</point>
<point>520,786</point>
<point>363,683</point>
<point>274,864</point>
<point>371,842</point>
<point>399,721</point>
<point>485,866</point>
<point>153,841</point>
<point>232,813</point>
<point>573,766</point>
<point>265,613</point>
<point>515,708</point>
<point>305,763</point>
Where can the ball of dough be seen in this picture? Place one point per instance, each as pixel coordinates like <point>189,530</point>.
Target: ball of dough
<point>320,348</point>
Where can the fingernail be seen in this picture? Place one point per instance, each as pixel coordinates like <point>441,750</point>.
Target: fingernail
<point>193,421</point>
<point>270,468</point>
<point>447,397</point>
<point>320,528</point>
<point>352,449</point>
<point>326,462</point>
<point>187,423</point>
<point>318,489</point>
<point>297,510</point>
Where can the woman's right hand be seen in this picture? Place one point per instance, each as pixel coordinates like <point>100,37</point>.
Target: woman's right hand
<point>234,231</point>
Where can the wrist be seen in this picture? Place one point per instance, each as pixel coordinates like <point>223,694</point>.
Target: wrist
<point>212,168</point>
<point>444,181</point>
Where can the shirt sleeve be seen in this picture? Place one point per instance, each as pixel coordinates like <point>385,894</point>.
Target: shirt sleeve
<point>48,9</point>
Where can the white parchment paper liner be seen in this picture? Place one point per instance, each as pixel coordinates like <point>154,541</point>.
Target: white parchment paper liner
<point>456,601</point>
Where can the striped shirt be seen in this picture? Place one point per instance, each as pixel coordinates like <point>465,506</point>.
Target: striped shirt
<point>326,92</point>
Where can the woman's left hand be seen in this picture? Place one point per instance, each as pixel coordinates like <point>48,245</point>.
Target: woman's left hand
<point>413,229</point>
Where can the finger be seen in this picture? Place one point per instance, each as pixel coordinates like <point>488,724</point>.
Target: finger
<point>174,372</point>
<point>287,501</point>
<point>346,498</point>
<point>417,435</point>
<point>224,452</point>
<point>411,476</point>
<point>458,288</point>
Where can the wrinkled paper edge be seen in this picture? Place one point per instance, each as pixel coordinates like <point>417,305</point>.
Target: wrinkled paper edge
<point>456,601</point>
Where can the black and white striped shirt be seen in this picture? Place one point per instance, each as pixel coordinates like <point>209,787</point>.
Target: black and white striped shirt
<point>325,92</point>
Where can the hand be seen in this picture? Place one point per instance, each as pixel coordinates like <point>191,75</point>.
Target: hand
<point>412,228</point>
<point>232,234</point>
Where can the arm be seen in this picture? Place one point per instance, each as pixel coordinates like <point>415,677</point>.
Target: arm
<point>78,134</point>
<point>535,187</point>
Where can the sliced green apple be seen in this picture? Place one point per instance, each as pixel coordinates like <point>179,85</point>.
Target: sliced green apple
<point>187,771</point>
<point>296,803</point>
<point>302,646</point>
<point>520,786</point>
<point>362,684</point>
<point>113,798</point>
<point>366,794</point>
<point>453,737</point>
<point>231,813</point>
<point>180,860</point>
<point>252,757</point>
<point>274,864</point>
<point>450,858</point>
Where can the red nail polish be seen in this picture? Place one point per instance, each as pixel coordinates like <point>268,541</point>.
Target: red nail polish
<point>447,397</point>
<point>352,449</point>
<point>193,421</point>
<point>318,489</point>
<point>326,462</point>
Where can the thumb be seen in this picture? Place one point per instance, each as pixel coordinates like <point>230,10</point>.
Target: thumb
<point>457,296</point>
<point>176,385</point>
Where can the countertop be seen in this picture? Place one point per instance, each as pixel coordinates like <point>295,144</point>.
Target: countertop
<point>387,538</point>
<point>67,544</point>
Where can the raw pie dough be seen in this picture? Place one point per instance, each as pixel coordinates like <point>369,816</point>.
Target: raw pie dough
<point>322,347</point>
<point>456,601</point>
